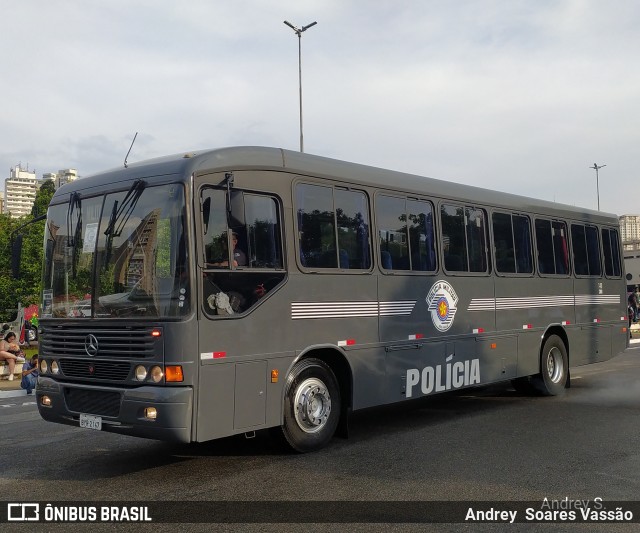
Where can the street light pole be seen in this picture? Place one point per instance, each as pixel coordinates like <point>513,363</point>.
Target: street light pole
<point>298,32</point>
<point>596,168</point>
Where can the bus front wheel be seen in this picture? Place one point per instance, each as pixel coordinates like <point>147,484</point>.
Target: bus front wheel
<point>554,368</point>
<point>312,406</point>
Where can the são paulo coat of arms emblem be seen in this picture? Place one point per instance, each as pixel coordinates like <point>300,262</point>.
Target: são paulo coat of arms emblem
<point>442,301</point>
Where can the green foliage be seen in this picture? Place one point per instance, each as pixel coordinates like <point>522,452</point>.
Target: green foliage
<point>43,197</point>
<point>27,288</point>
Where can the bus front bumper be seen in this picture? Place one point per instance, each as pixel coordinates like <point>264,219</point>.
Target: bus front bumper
<point>119,410</point>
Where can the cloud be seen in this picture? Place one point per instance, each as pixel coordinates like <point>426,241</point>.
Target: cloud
<point>515,95</point>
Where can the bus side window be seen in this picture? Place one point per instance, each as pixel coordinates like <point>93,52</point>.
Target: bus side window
<point>610,243</point>
<point>421,235</point>
<point>561,247</point>
<point>476,239</point>
<point>512,238</point>
<point>586,250</point>
<point>333,227</point>
<point>316,230</point>
<point>545,247</point>
<point>553,248</point>
<point>464,238</point>
<point>503,238</point>
<point>392,231</point>
<point>406,233</point>
<point>214,221</point>
<point>453,238</point>
<point>263,242</point>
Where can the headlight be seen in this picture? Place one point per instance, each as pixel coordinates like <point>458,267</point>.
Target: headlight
<point>141,373</point>
<point>157,374</point>
<point>44,366</point>
<point>54,367</point>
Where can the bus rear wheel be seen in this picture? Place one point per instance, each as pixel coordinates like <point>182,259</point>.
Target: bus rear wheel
<point>312,406</point>
<point>554,368</point>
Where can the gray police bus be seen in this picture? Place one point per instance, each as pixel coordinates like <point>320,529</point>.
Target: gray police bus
<point>223,292</point>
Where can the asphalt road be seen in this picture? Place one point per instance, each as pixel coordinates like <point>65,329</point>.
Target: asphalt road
<point>481,444</point>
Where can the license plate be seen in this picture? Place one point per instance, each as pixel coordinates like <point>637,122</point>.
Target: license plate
<point>90,422</point>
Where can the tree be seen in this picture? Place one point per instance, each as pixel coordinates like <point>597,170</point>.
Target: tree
<point>27,289</point>
<point>43,197</point>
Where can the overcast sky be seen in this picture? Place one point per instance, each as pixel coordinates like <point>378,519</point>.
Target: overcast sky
<point>521,96</point>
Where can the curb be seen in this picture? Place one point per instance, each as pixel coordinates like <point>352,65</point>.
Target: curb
<point>16,394</point>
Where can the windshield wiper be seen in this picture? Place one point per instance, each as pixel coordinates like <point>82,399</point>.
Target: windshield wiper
<point>73,236</point>
<point>125,210</point>
<point>120,216</point>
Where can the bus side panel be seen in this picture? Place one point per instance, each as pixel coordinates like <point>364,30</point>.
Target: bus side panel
<point>423,342</point>
<point>369,375</point>
<point>434,367</point>
<point>594,345</point>
<point>619,338</point>
<point>327,312</point>
<point>498,356</point>
<point>526,307</point>
<point>216,390</point>
<point>594,315</point>
<point>532,303</point>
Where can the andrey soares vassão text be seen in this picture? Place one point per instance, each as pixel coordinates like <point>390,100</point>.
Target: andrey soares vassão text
<point>564,510</point>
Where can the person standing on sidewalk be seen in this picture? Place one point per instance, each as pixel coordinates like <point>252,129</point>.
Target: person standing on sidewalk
<point>30,374</point>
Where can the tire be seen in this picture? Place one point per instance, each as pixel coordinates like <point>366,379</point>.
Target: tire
<point>554,368</point>
<point>312,406</point>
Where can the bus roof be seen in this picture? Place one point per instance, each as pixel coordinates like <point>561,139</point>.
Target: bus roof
<point>181,166</point>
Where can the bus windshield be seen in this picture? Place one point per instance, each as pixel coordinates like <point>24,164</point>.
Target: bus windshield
<point>121,254</point>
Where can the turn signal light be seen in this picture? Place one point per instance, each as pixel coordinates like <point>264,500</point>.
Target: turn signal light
<point>173,374</point>
<point>274,376</point>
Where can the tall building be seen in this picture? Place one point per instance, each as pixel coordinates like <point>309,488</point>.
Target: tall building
<point>61,177</point>
<point>630,231</point>
<point>19,191</point>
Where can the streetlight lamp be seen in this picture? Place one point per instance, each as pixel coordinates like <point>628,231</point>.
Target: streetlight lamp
<point>299,34</point>
<point>596,168</point>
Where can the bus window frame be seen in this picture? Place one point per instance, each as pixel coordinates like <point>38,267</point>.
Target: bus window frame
<point>333,185</point>
<point>201,251</point>
<point>465,206</point>
<point>552,219</point>
<point>497,272</point>
<point>378,254</point>
<point>620,253</point>
<point>232,270</point>
<point>600,249</point>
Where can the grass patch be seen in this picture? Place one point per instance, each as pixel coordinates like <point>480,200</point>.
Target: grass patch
<point>29,352</point>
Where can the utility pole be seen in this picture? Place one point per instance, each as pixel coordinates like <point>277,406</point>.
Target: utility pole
<point>596,168</point>
<point>298,32</point>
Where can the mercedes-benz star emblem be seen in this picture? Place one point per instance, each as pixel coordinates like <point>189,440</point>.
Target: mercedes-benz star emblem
<point>91,345</point>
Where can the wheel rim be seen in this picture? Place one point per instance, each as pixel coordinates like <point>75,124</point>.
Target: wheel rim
<point>312,405</point>
<point>555,365</point>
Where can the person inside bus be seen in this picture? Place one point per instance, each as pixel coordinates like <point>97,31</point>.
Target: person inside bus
<point>239,257</point>
<point>30,374</point>
<point>10,352</point>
